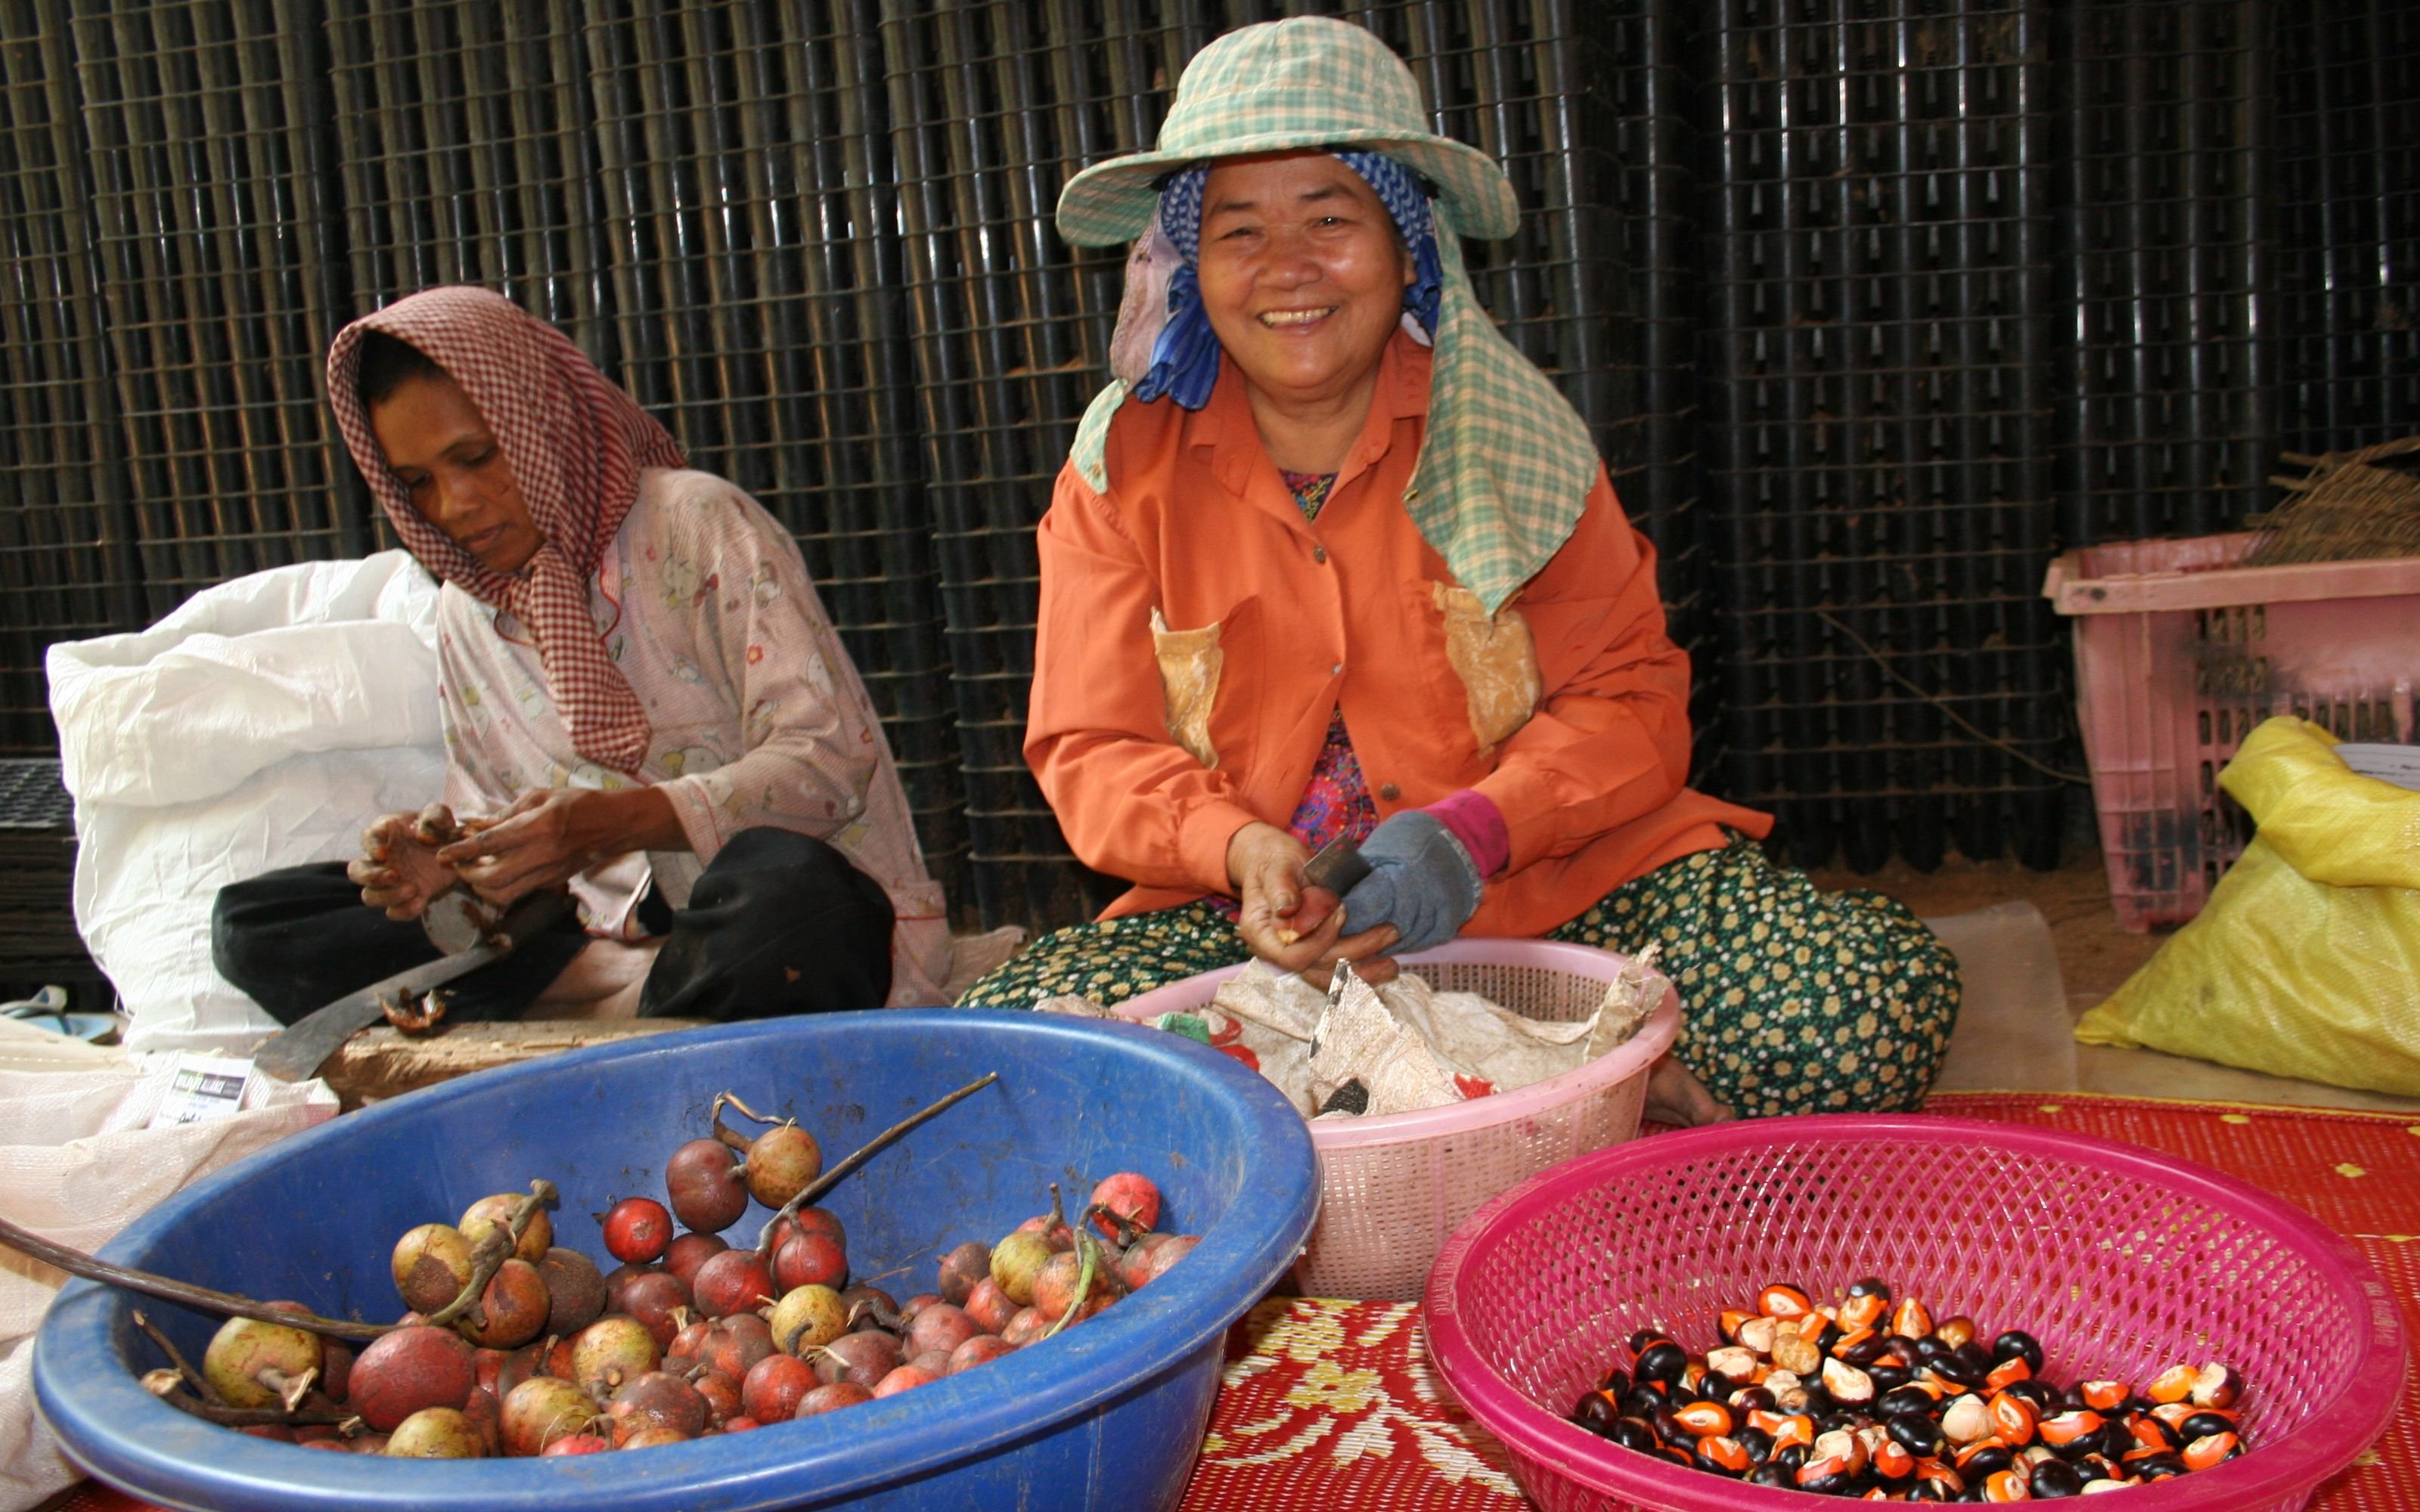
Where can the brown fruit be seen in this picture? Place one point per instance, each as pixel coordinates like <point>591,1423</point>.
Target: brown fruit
<point>611,1350</point>
<point>703,1181</point>
<point>513,1307</point>
<point>433,1265</point>
<point>541,1410</point>
<point>575,1290</point>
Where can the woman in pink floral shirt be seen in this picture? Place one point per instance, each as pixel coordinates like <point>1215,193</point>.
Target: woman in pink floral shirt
<point>644,702</point>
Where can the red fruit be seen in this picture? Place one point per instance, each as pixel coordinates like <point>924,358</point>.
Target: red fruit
<point>558,1355</point>
<point>335,1368</point>
<point>981,1350</point>
<point>1027,1327</point>
<point>658,1300</point>
<point>657,1399</point>
<point>637,1228</point>
<point>1054,1285</point>
<point>734,1344</point>
<point>934,1363</point>
<point>833,1396</point>
<point>617,1281</point>
<point>577,1443</point>
<point>686,1254</point>
<point>722,1395</point>
<point>412,1368</point>
<point>962,1268</point>
<point>906,1378</point>
<point>704,1180</point>
<point>774,1387</point>
<point>485,1419</point>
<point>278,1431</point>
<point>735,1281</point>
<point>746,1424</point>
<point>870,1307</point>
<point>487,1365</point>
<point>940,1327</point>
<point>915,1304</point>
<point>687,1347</point>
<point>528,1362</point>
<point>1174,1248</point>
<point>337,1444</point>
<point>1129,1195</point>
<point>989,1307</point>
<point>1134,1265</point>
<point>810,1261</point>
<point>864,1358</point>
<point>820,1221</point>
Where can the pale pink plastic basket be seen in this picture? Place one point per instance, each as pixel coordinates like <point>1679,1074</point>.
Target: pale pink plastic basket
<point>1391,1188</point>
<point>2120,1260</point>
<point>2180,653</point>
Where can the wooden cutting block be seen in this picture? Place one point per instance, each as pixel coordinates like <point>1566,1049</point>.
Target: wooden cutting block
<point>382,1062</point>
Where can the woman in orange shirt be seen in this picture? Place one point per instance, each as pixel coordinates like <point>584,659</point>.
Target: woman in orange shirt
<point>1330,558</point>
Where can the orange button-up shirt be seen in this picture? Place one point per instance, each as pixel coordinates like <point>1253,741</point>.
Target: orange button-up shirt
<point>1340,612</point>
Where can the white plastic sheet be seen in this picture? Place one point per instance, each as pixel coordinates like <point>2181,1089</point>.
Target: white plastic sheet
<point>77,1165</point>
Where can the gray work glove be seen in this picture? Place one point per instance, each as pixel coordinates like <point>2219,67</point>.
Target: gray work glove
<point>1420,880</point>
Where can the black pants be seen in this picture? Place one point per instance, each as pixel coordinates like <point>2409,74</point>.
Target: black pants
<point>778,923</point>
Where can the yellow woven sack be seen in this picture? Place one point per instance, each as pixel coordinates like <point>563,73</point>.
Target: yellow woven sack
<point>2306,960</point>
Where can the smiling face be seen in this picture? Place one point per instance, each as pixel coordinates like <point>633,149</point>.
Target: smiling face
<point>1302,277</point>
<point>438,447</point>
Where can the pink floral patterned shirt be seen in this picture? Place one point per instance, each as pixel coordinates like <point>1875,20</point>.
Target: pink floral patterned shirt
<point>758,716</point>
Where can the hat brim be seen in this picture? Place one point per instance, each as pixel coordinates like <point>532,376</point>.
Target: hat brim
<point>1112,202</point>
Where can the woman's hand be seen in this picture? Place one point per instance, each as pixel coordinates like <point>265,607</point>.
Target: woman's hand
<point>398,870</point>
<point>1290,925</point>
<point>551,835</point>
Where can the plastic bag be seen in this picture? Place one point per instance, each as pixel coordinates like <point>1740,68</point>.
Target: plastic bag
<point>2303,961</point>
<point>77,1165</point>
<point>261,724</point>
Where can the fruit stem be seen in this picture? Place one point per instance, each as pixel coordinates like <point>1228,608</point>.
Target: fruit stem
<point>192,1376</point>
<point>1085,1253</point>
<point>77,1263</point>
<point>729,1139</point>
<point>821,1184</point>
<point>244,1417</point>
<point>494,1248</point>
<point>1129,1230</point>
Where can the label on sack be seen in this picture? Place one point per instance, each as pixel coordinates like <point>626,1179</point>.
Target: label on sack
<point>202,1087</point>
<point>2398,764</point>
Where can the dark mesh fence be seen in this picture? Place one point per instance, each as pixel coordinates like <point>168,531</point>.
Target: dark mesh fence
<point>1870,307</point>
<point>1877,348</point>
<point>66,568</point>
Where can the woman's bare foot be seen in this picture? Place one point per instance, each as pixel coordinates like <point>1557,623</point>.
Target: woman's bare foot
<point>603,981</point>
<point>1677,1097</point>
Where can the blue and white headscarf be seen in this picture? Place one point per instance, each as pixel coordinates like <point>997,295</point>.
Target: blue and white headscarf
<point>1183,350</point>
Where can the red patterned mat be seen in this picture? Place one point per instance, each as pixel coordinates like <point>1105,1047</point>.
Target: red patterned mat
<point>1329,1407</point>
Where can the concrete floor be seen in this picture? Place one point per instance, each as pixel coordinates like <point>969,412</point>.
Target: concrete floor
<point>2095,957</point>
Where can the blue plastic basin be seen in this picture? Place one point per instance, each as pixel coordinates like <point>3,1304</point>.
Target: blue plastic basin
<point>1108,1415</point>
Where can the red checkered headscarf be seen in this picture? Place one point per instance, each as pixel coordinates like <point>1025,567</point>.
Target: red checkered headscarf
<point>576,443</point>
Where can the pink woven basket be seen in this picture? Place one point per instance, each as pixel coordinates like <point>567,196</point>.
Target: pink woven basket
<point>2120,1260</point>
<point>1391,1188</point>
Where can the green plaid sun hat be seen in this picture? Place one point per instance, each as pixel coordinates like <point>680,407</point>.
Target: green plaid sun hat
<point>1506,466</point>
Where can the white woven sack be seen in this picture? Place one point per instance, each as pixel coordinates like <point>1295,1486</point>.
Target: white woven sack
<point>260,725</point>
<point>77,1165</point>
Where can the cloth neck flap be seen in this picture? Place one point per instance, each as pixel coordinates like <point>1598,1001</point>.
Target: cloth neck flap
<point>576,443</point>
<point>1506,468</point>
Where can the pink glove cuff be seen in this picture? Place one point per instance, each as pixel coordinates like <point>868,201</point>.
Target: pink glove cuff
<point>1472,818</point>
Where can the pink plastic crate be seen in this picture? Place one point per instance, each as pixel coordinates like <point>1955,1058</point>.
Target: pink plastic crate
<point>2120,1260</point>
<point>2180,653</point>
<point>1391,1188</point>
